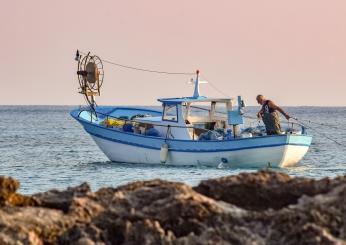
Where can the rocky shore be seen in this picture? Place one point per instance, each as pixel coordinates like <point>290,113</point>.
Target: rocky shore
<point>249,208</point>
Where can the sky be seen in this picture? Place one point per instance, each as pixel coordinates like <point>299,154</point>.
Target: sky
<point>294,52</point>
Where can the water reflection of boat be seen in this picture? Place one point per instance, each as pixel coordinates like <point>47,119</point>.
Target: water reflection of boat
<point>194,130</point>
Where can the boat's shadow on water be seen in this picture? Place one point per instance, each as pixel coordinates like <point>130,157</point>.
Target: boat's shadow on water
<point>110,164</point>
<point>164,170</point>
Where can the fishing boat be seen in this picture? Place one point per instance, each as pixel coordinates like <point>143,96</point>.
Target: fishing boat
<point>194,130</point>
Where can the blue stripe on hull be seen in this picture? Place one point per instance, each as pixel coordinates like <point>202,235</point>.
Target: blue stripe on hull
<point>202,150</point>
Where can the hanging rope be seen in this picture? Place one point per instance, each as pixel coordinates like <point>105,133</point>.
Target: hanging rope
<point>144,69</point>
<point>147,70</point>
<point>158,72</point>
<point>301,123</point>
<point>316,123</point>
<point>319,131</point>
<point>215,87</point>
<point>325,136</point>
<point>218,90</point>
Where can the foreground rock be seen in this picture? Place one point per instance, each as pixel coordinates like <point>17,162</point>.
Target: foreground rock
<point>263,190</point>
<point>251,208</point>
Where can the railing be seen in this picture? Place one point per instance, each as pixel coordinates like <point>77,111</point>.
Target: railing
<point>291,126</point>
<point>134,121</point>
<point>294,127</point>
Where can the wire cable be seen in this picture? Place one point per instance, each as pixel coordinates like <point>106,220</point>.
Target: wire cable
<point>301,123</point>
<point>215,87</point>
<point>327,137</point>
<point>143,69</point>
<point>318,131</point>
<point>316,123</point>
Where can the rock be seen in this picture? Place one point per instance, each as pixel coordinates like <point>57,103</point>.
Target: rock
<point>155,205</point>
<point>321,218</point>
<point>8,187</point>
<point>253,208</point>
<point>32,225</point>
<point>8,195</point>
<point>264,189</point>
<point>62,200</point>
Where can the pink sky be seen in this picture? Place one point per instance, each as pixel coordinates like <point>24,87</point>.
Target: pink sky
<point>292,51</point>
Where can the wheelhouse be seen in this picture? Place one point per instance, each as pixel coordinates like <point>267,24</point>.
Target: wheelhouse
<point>197,115</point>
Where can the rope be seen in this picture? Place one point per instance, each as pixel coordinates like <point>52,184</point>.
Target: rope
<point>316,123</point>
<point>144,69</point>
<point>318,131</point>
<point>300,122</point>
<point>159,72</point>
<point>218,90</point>
<point>327,137</point>
<point>214,87</point>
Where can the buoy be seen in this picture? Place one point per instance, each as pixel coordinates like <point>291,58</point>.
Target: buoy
<point>164,153</point>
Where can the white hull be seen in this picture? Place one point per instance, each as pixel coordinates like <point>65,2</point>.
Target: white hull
<point>276,156</point>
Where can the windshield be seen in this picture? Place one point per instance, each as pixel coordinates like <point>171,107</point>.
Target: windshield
<point>170,113</point>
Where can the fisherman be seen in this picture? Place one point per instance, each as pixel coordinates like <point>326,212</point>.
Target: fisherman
<point>270,116</point>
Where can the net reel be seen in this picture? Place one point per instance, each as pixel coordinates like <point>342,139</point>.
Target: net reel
<point>90,77</point>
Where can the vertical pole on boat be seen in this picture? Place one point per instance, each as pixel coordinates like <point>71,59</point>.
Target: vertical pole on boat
<point>235,117</point>
<point>164,147</point>
<point>196,91</point>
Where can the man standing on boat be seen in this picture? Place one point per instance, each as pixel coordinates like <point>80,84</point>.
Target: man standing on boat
<point>270,116</point>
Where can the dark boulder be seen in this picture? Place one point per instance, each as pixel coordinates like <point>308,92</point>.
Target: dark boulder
<point>264,189</point>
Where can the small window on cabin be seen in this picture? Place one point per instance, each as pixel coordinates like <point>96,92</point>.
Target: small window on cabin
<point>170,113</point>
<point>220,109</point>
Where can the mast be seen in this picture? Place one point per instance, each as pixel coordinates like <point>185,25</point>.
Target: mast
<point>196,91</point>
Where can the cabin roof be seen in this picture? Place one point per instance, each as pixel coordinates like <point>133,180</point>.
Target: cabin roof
<point>192,99</point>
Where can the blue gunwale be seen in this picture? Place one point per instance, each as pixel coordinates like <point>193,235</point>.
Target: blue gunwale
<point>112,109</point>
<point>132,109</point>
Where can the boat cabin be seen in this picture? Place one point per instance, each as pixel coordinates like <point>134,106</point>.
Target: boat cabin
<point>188,118</point>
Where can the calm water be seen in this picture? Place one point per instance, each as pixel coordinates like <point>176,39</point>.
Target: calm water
<point>45,148</point>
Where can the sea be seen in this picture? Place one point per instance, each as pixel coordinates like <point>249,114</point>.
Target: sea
<point>45,148</point>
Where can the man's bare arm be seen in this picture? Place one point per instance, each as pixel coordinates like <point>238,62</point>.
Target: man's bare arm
<point>275,107</point>
<point>259,114</point>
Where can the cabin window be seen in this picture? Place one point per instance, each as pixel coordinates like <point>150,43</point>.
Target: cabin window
<point>170,113</point>
<point>220,109</point>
